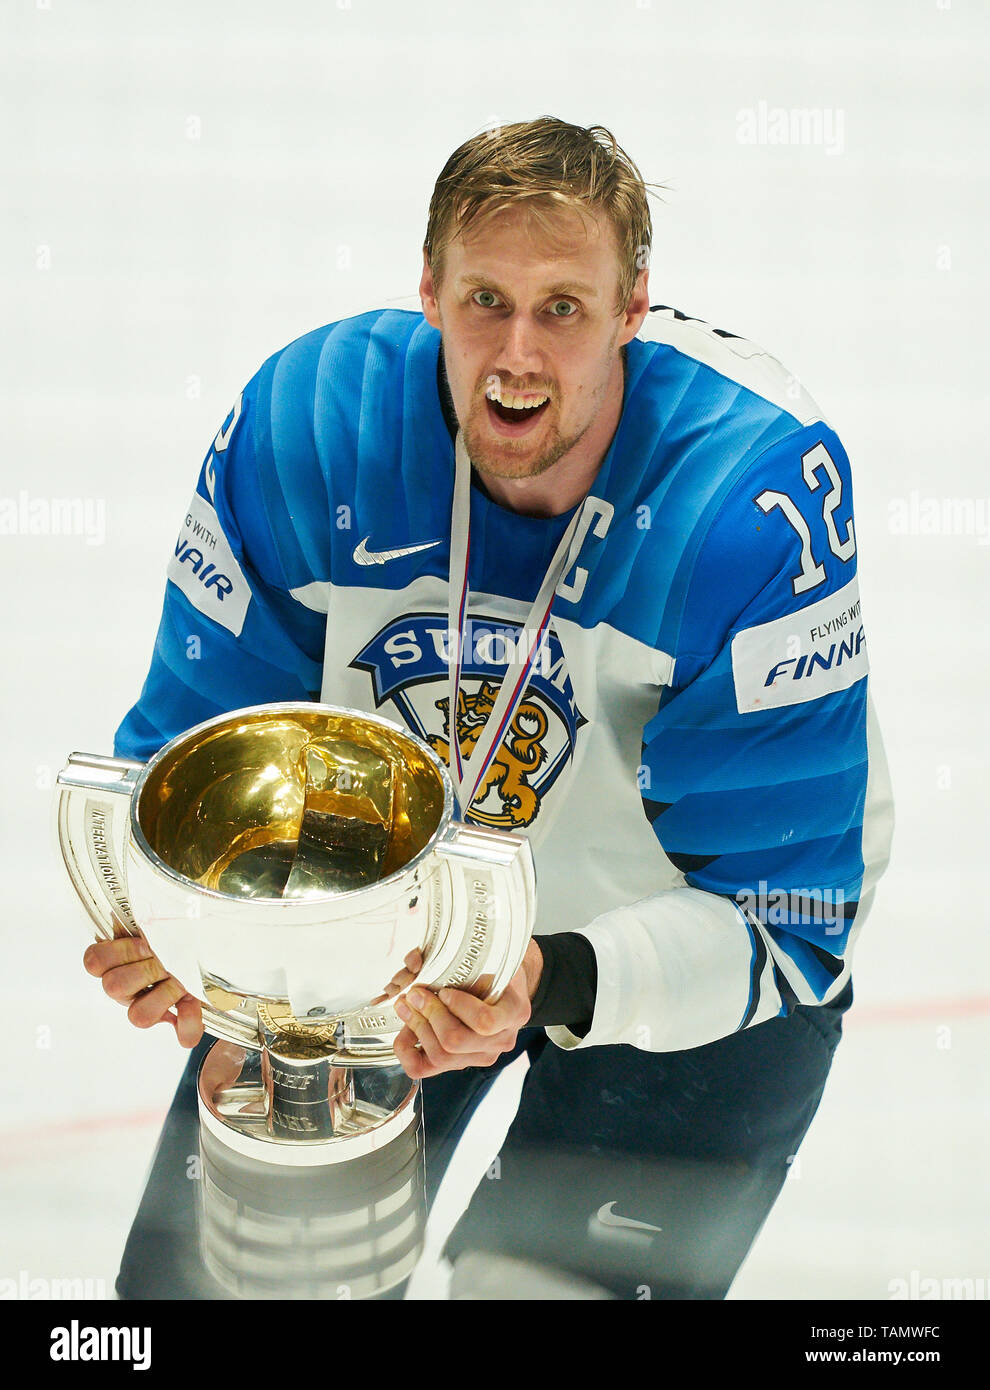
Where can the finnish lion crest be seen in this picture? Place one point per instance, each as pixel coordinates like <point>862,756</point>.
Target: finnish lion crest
<point>408,663</point>
<point>521,755</point>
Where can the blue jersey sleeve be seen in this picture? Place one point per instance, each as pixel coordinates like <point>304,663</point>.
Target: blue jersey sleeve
<point>758,757</point>
<point>232,633</point>
<point>763,773</point>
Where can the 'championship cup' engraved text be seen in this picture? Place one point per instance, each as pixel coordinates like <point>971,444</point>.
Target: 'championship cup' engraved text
<point>479,933</point>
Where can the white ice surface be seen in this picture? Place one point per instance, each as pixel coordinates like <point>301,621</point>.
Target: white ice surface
<point>189,187</point>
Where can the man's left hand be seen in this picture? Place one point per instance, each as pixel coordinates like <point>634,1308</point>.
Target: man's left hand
<point>452,1029</point>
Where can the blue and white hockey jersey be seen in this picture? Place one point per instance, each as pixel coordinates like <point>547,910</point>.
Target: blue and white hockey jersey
<point>695,760</point>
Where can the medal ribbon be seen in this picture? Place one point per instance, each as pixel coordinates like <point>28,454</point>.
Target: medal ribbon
<point>468,774</point>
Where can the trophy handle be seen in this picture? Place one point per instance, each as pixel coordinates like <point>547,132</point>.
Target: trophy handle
<point>92,820</point>
<point>493,882</point>
<point>93,813</point>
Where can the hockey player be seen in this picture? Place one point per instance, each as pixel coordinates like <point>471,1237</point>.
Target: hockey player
<point>602,558</point>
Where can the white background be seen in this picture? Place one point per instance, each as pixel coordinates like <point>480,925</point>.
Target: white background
<point>189,187</point>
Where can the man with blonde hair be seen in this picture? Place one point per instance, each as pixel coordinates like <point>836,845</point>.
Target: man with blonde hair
<point>651,519</point>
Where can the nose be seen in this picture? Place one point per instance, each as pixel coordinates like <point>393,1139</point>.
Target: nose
<point>520,353</point>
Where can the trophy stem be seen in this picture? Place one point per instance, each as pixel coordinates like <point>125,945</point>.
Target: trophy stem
<point>307,1095</point>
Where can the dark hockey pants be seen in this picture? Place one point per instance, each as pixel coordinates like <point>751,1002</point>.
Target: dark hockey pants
<point>649,1174</point>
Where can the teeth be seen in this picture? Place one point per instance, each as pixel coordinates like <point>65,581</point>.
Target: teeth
<point>513,402</point>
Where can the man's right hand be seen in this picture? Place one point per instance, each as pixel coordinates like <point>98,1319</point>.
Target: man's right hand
<point>133,975</point>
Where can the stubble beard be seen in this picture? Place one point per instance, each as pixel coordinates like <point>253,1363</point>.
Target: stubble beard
<point>501,461</point>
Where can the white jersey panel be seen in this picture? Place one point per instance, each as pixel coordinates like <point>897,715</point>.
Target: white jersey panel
<point>736,358</point>
<point>592,842</point>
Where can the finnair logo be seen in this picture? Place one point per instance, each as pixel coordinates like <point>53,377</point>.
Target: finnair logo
<point>205,568</point>
<point>75,1343</point>
<point>810,662</point>
<point>207,573</point>
<point>819,650</point>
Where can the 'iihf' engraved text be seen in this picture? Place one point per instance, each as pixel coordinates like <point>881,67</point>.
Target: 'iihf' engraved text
<point>371,1022</point>
<point>298,1123</point>
<point>288,1080</point>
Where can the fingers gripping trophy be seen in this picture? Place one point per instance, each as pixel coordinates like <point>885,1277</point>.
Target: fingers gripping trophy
<point>283,861</point>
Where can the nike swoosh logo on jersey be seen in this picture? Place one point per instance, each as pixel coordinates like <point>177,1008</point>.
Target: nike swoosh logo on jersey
<point>364,556</point>
<point>608,1218</point>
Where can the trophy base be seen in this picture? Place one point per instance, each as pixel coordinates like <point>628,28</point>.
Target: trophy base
<point>302,1112</point>
<point>334,1217</point>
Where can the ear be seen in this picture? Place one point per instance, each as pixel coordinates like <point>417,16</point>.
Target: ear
<point>637,308</point>
<point>428,294</point>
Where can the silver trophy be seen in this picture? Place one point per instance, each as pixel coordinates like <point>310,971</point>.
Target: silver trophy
<point>282,861</point>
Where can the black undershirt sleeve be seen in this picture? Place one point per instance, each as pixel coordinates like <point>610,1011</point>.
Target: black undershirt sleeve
<point>568,984</point>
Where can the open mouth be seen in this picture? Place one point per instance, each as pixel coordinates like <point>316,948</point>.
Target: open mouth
<point>515,418</point>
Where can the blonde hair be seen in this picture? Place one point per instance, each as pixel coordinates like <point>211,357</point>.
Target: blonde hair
<point>545,164</point>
